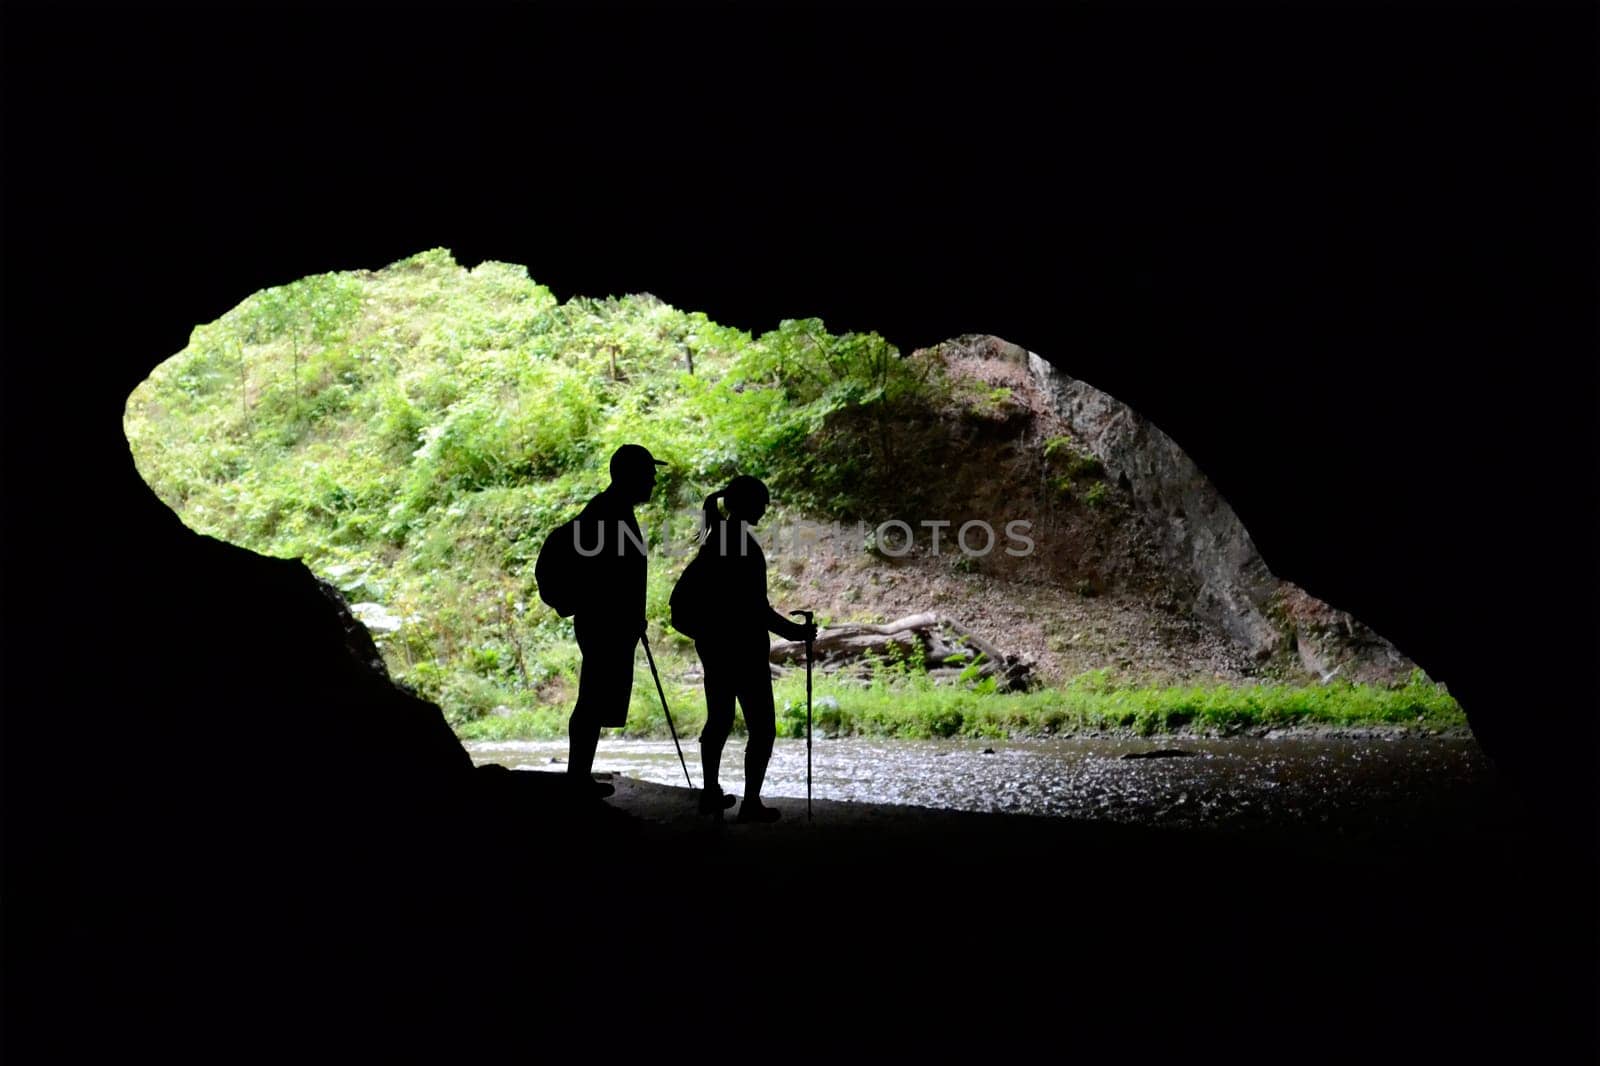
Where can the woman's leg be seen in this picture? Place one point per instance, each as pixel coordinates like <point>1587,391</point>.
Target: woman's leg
<point>760,719</point>
<point>720,694</point>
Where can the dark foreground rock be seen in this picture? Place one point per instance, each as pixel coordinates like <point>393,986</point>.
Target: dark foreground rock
<point>507,915</point>
<point>300,862</point>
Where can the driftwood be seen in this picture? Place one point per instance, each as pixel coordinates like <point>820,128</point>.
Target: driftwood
<point>949,650</point>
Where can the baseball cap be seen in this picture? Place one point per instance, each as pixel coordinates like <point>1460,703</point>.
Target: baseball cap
<point>633,457</point>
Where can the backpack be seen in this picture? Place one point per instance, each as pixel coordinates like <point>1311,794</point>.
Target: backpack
<point>559,569</point>
<point>691,598</point>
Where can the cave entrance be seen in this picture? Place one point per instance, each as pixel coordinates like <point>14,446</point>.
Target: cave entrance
<point>1031,598</point>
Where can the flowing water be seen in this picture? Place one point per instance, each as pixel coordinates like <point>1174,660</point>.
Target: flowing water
<point>1217,783</point>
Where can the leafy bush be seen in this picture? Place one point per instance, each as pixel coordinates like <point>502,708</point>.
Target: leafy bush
<point>414,432</point>
<point>435,422</point>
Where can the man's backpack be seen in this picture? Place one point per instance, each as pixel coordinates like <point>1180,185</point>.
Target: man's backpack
<point>559,569</point>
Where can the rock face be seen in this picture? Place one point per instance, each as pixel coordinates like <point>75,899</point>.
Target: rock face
<point>1206,548</point>
<point>1196,530</point>
<point>1331,643</point>
<point>377,618</point>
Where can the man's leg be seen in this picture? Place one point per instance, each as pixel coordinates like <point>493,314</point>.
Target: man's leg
<point>605,682</point>
<point>583,737</point>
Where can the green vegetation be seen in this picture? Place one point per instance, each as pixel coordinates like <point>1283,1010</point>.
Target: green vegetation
<point>412,434</point>
<point>913,707</point>
<point>1069,466</point>
<point>1092,702</point>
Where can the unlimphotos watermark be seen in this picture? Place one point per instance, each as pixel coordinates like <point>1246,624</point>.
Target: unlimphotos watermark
<point>683,533</point>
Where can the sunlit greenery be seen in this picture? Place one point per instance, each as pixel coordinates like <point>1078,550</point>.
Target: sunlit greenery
<point>412,434</point>
<point>910,706</point>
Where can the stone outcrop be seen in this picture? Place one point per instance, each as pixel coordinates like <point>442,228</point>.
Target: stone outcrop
<point>1195,529</point>
<point>1207,551</point>
<point>1330,643</point>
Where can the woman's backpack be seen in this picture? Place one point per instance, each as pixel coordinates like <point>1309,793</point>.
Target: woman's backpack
<point>691,601</point>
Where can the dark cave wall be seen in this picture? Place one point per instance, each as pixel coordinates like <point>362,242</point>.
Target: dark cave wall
<point>1361,306</point>
<point>1345,263</point>
<point>1373,517</point>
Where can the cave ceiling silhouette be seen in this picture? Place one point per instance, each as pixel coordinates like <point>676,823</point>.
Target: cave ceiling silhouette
<point>1349,299</point>
<point>1344,260</point>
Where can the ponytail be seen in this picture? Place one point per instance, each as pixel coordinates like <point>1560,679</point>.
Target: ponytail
<point>711,515</point>
<point>742,495</point>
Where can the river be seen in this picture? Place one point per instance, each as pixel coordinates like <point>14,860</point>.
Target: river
<point>1216,783</point>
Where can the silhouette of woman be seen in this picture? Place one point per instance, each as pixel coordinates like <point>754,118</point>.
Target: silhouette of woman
<point>733,645</point>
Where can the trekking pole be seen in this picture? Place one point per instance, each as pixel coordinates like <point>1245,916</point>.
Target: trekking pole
<point>663,695</point>
<point>808,616</point>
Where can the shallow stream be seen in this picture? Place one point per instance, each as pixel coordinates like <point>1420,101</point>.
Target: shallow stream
<point>1234,782</point>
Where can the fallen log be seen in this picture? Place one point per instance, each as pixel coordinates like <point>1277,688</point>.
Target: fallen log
<point>947,648</point>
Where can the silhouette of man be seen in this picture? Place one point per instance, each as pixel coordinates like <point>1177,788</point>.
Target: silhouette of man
<point>611,621</point>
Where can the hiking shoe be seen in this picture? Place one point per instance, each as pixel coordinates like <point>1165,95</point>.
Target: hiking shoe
<point>714,801</point>
<point>754,811</point>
